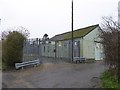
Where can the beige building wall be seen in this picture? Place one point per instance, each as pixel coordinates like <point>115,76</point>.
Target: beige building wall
<point>89,47</point>
<point>89,44</point>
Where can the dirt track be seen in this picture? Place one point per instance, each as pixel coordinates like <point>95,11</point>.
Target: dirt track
<point>59,75</point>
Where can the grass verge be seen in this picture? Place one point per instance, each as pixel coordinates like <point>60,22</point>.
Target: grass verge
<point>109,80</point>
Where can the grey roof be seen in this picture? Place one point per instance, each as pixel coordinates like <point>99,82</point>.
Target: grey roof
<point>57,37</point>
<point>76,33</point>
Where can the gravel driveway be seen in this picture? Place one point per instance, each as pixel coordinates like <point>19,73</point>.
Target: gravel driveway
<point>55,75</point>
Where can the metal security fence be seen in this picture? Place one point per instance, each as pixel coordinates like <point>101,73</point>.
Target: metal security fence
<point>64,49</point>
<point>31,49</point>
<point>36,48</point>
<point>60,49</point>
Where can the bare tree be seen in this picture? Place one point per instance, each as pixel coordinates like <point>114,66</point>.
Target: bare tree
<point>24,31</point>
<point>111,44</point>
<point>20,29</point>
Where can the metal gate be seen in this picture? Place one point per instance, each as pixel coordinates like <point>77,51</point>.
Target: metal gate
<point>31,49</point>
<point>64,49</point>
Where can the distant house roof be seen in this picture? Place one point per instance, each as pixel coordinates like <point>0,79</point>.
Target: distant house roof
<point>76,33</point>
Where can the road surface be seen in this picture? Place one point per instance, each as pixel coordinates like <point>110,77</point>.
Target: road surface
<point>55,75</point>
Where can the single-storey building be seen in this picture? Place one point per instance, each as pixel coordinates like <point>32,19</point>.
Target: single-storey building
<point>86,44</point>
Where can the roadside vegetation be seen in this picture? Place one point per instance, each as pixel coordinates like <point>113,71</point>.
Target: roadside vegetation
<point>109,80</point>
<point>12,47</point>
<point>111,47</point>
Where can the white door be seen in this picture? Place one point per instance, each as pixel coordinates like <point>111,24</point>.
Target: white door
<point>98,51</point>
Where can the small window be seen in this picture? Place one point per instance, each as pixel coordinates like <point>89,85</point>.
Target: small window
<point>75,43</point>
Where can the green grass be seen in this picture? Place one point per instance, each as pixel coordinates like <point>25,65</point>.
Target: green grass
<point>109,80</point>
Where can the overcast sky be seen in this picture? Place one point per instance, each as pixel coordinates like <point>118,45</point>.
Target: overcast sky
<point>53,16</point>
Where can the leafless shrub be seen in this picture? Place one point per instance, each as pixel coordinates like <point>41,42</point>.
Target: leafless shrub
<point>110,40</point>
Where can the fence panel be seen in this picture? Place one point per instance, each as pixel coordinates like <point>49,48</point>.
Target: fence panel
<point>31,49</point>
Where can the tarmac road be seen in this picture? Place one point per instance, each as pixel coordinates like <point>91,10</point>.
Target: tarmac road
<point>59,75</point>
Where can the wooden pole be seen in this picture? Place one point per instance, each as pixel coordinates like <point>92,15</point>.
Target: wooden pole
<point>72,30</point>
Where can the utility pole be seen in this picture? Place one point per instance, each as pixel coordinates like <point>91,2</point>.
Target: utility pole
<point>118,70</point>
<point>118,66</point>
<point>72,30</point>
